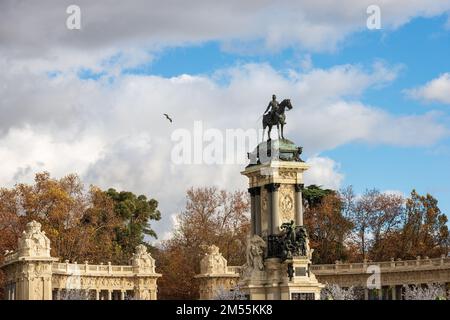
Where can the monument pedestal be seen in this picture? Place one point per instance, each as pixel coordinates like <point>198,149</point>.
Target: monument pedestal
<point>278,237</point>
<point>278,252</point>
<point>275,284</point>
<point>303,285</point>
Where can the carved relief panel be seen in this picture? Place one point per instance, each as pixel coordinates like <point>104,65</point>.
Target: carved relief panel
<point>264,212</point>
<point>286,203</point>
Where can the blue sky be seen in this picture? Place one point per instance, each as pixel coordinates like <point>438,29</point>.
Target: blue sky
<point>371,107</point>
<point>422,47</point>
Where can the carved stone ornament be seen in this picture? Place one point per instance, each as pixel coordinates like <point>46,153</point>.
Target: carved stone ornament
<point>287,203</point>
<point>213,262</point>
<point>255,253</point>
<point>143,260</point>
<point>34,242</point>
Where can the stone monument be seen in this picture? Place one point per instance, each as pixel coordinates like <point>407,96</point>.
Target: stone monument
<point>278,255</point>
<point>278,252</point>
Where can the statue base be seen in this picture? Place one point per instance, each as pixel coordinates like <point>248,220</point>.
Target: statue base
<point>277,283</point>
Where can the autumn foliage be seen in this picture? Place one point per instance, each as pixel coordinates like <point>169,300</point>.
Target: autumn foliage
<point>82,225</point>
<point>374,226</point>
<point>211,216</point>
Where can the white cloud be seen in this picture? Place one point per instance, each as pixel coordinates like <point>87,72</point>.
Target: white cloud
<point>25,151</point>
<point>437,90</point>
<point>125,32</point>
<point>113,133</point>
<point>324,172</point>
<point>306,63</point>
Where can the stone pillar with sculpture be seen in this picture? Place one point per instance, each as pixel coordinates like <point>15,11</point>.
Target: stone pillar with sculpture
<point>215,275</point>
<point>278,254</point>
<point>144,269</point>
<point>29,269</point>
<point>32,274</point>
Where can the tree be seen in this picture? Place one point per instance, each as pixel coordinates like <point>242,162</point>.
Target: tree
<point>211,216</point>
<point>10,226</point>
<point>428,292</point>
<point>135,212</point>
<point>313,195</point>
<point>327,229</point>
<point>335,292</point>
<point>384,224</point>
<point>81,224</point>
<point>376,217</point>
<point>425,230</point>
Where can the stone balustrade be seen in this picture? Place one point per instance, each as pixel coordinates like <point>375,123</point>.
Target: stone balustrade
<point>91,269</point>
<point>394,275</point>
<point>234,269</point>
<point>385,266</point>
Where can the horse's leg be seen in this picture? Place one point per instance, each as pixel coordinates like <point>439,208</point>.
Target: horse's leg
<point>282,131</point>
<point>278,129</point>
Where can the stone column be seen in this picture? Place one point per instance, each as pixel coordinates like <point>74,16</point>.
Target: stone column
<point>366,294</point>
<point>258,211</point>
<point>58,294</point>
<point>109,294</point>
<point>252,211</point>
<point>380,293</point>
<point>97,294</point>
<point>274,207</point>
<point>394,292</point>
<point>299,204</point>
<point>14,291</point>
<point>269,200</point>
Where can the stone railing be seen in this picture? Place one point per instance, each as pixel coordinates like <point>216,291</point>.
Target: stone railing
<point>386,266</point>
<point>419,264</point>
<point>91,269</point>
<point>234,269</point>
<point>10,256</point>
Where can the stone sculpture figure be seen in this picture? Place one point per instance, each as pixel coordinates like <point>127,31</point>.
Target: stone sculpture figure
<point>213,262</point>
<point>255,253</point>
<point>143,260</point>
<point>292,241</point>
<point>302,241</point>
<point>34,242</point>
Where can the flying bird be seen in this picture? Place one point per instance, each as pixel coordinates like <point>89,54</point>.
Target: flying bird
<point>168,118</point>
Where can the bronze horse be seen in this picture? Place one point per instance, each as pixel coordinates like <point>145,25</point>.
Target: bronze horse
<point>278,118</point>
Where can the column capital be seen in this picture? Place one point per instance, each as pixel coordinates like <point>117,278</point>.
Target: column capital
<point>254,191</point>
<point>272,187</point>
<point>299,187</point>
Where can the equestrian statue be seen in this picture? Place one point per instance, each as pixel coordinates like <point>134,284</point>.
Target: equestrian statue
<point>274,115</point>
